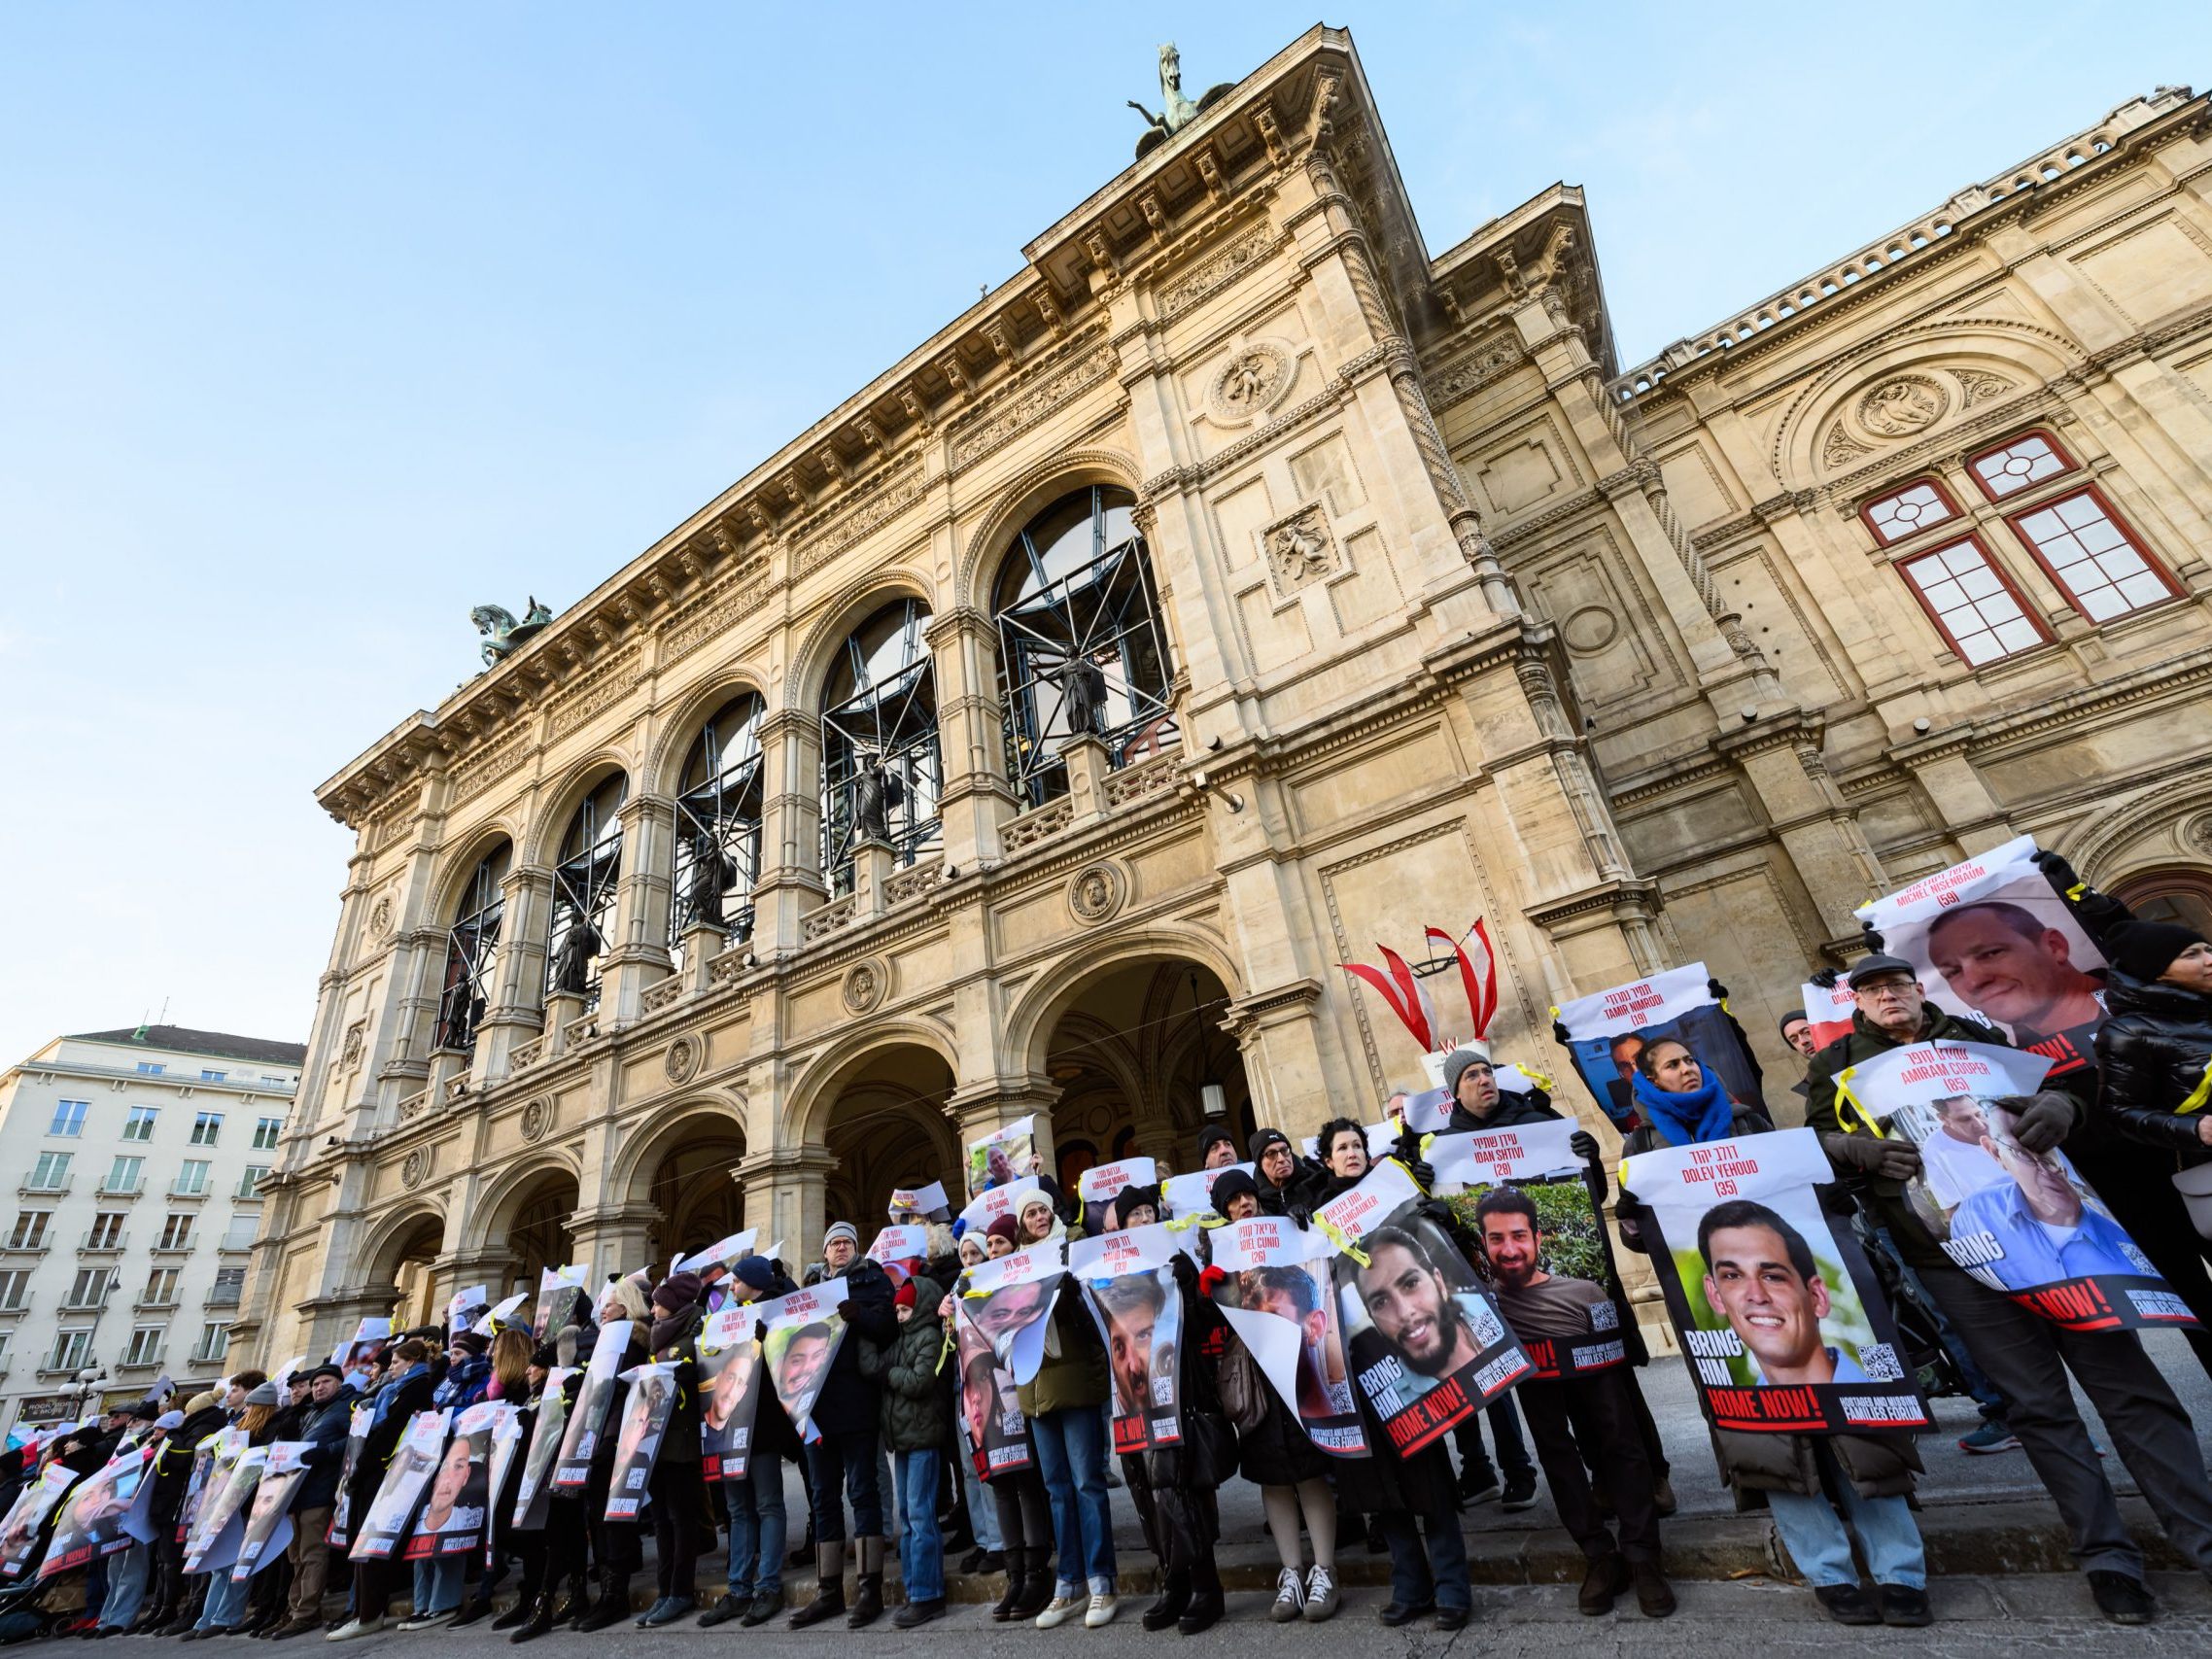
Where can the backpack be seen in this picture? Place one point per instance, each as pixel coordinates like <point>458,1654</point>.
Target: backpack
<point>1243,1389</point>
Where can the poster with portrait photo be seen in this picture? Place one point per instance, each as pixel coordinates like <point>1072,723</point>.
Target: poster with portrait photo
<point>195,1483</point>
<point>901,1250</point>
<point>1426,1344</point>
<point>645,1412</point>
<point>1828,1010</point>
<point>1608,1030</point>
<point>1102,1182</point>
<point>455,1513</point>
<point>1993,941</point>
<point>268,1518</point>
<point>1004,1154</point>
<point>2025,1224</point>
<point>725,1252</point>
<point>221,1525</point>
<point>1546,1254</point>
<point>506,1448</point>
<point>1011,1300</point>
<point>499,1315</point>
<point>731,1378</point>
<point>992,1421</point>
<point>1193,1194</point>
<point>358,1422</point>
<point>368,1341</point>
<point>89,1523</point>
<point>804,1331</point>
<point>587,1417</point>
<point>1781,1318</point>
<point>561,1293</point>
<point>924,1203</point>
<point>1129,1283</point>
<point>385,1528</point>
<point>534,1488</point>
<point>988,1206</point>
<point>1279,1298</point>
<point>26,1517</point>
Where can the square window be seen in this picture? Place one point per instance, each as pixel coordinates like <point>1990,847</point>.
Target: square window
<point>191,1177</point>
<point>265,1133</point>
<point>151,1068</point>
<point>139,1126</point>
<point>206,1126</point>
<point>2028,458</point>
<point>50,1174</point>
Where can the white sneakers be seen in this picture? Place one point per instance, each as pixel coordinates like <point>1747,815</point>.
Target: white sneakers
<point>1103,1607</point>
<point>1320,1595</point>
<point>355,1627</point>
<point>1098,1613</point>
<point>1059,1610</point>
<point>428,1621</point>
<point>1290,1596</point>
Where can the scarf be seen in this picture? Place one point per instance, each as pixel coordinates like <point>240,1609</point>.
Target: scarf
<point>389,1394</point>
<point>1687,1120</point>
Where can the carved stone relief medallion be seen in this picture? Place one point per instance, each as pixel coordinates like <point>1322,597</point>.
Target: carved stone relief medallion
<point>536,1118</point>
<point>380,916</point>
<point>1903,404</point>
<point>683,1058</point>
<point>1300,550</point>
<point>1254,379</point>
<point>416,1165</point>
<point>1096,893</point>
<point>866,984</point>
<point>356,1043</point>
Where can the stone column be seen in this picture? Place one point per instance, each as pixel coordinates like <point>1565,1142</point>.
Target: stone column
<point>637,947</point>
<point>702,942</point>
<point>518,992</point>
<point>791,882</point>
<point>872,862</point>
<point>612,1238</point>
<point>976,798</point>
<point>785,1199</point>
<point>1088,768</point>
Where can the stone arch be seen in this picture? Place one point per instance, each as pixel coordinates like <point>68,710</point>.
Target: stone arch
<point>1020,501</point>
<point>1031,1022</point>
<point>661,770</point>
<point>2022,350</point>
<point>457,865</point>
<point>814,1095</point>
<point>630,1176</point>
<point>492,1208</point>
<point>396,1240</point>
<point>809,668</point>
<point>2140,834</point>
<point>550,822</point>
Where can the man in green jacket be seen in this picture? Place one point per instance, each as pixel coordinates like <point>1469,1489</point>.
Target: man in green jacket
<point>2025,1355</point>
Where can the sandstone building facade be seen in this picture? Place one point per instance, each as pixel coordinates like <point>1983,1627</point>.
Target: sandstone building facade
<point>781,863</point>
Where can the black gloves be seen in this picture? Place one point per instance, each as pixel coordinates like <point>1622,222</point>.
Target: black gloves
<point>1888,1156</point>
<point>845,1310</point>
<point>2054,866</point>
<point>1584,1145</point>
<point>1717,990</point>
<point>1825,978</point>
<point>1559,1034</point>
<point>2040,1122</point>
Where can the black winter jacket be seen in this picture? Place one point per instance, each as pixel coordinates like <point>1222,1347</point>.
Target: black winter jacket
<point>2153,1052</point>
<point>324,1428</point>
<point>849,1403</point>
<point>676,1343</point>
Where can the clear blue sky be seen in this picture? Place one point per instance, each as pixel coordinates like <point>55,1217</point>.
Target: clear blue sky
<point>320,324</point>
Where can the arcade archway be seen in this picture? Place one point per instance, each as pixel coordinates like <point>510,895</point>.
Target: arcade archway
<point>405,1265</point>
<point>888,1128</point>
<point>539,1236</point>
<point>695,1192</point>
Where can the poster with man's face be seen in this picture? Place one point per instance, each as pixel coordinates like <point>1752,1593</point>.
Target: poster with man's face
<point>216,1535</point>
<point>1607,1031</point>
<point>1544,1249</point>
<point>357,1424</point>
<point>456,1511</point>
<point>1130,1284</point>
<point>421,1450</point>
<point>804,1331</point>
<point>587,1418</point>
<point>1781,1318</point>
<point>560,1295</point>
<point>533,1490</point>
<point>1011,1301</point>
<point>2025,1224</point>
<point>89,1523</point>
<point>268,1519</point>
<point>731,1377</point>
<point>1193,1194</point>
<point>1427,1343</point>
<point>20,1532</point>
<point>196,1484</point>
<point>1280,1301</point>
<point>645,1412</point>
<point>1994,941</point>
<point>506,1449</point>
<point>991,1419</point>
<point>901,1250</point>
<point>1003,1154</point>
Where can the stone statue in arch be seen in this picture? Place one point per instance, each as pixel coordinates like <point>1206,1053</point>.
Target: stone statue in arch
<point>710,874</point>
<point>1083,698</point>
<point>580,947</point>
<point>876,791</point>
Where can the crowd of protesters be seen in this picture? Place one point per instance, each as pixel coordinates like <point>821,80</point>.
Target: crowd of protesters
<point>886,1435</point>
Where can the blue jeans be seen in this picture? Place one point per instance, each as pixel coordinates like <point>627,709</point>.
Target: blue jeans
<point>438,1585</point>
<point>922,1544</point>
<point>1071,1456</point>
<point>1439,1575</point>
<point>982,1512</point>
<point>1821,1548</point>
<point>838,1462</point>
<point>755,1506</point>
<point>126,1586</point>
<point>226,1602</point>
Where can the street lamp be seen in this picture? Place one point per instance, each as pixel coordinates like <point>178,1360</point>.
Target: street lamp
<point>87,1383</point>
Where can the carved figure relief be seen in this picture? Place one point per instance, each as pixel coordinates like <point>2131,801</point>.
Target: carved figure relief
<point>1300,550</point>
<point>1902,406</point>
<point>416,1165</point>
<point>865,984</point>
<point>536,1118</point>
<point>1253,381</point>
<point>354,1045</point>
<point>380,916</point>
<point>1981,386</point>
<point>1096,893</point>
<point>683,1058</point>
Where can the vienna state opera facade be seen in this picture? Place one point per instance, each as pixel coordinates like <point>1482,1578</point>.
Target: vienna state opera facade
<point>1237,586</point>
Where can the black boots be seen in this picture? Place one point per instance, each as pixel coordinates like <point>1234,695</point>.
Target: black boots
<point>570,1609</point>
<point>613,1603</point>
<point>868,1604</point>
<point>1174,1597</point>
<point>1206,1606</point>
<point>1036,1581</point>
<point>829,1598</point>
<point>541,1619</point>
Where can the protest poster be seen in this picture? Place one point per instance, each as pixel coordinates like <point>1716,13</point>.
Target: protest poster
<point>457,1509</point>
<point>1608,1030</point>
<point>89,1523</point>
<point>195,1483</point>
<point>534,1490</point>
<point>560,1296</point>
<point>268,1521</point>
<point>731,1377</point>
<point>1828,1010</point>
<point>499,1315</point>
<point>366,1343</point>
<point>1546,1252</point>
<point>1426,1112</point>
<point>1002,1156</point>
<point>587,1418</point>
<point>920,1203</point>
<point>901,1250</point>
<point>386,1526</point>
<point>1426,1344</point>
<point>221,1525</point>
<point>988,1205</point>
<point>1279,1299</point>
<point>1781,1318</point>
<point>463,1306</point>
<point>26,1517</point>
<point>991,1418</point>
<point>724,1252</point>
<point>1129,1282</point>
<point>645,1412</point>
<point>804,1331</point>
<point>1011,1300</point>
<point>506,1447</point>
<point>1098,1185</point>
<point>357,1424</point>
<point>2024,1223</point>
<point>1193,1194</point>
<point>1993,941</point>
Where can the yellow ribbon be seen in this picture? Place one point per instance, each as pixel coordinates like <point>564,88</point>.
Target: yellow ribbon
<point>1336,1236</point>
<point>1845,1098</point>
<point>2074,893</point>
<point>1539,1080</point>
<point>2199,1095</point>
<point>1183,1224</point>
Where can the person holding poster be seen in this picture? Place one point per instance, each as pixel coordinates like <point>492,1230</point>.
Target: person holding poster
<point>1003,1155</point>
<point>1608,1033</point>
<point>998,1446</point>
<point>511,1397</point>
<point>1059,1364</point>
<point>2027,1356</point>
<point>322,1434</point>
<point>916,1430</point>
<point>208,1550</point>
<point>1217,1147</point>
<point>753,1497</point>
<point>674,1481</point>
<point>617,1551</point>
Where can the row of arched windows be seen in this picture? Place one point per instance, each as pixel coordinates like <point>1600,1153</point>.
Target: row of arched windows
<point>1081,647</point>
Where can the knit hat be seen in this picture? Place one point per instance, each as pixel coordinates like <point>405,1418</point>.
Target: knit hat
<point>904,1295</point>
<point>757,1272</point>
<point>201,1401</point>
<point>145,1411</point>
<point>2145,949</point>
<point>169,1420</point>
<point>1455,1068</point>
<point>1006,1227</point>
<point>265,1394</point>
<point>1263,1139</point>
<point>471,1344</point>
<point>1788,1019</point>
<point>1211,1136</point>
<point>678,1292</point>
<point>325,1371</point>
<point>842,1229</point>
<point>1136,1197</point>
<point>1230,1184</point>
<point>545,1356</point>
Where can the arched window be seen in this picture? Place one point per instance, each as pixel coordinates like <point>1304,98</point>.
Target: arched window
<point>879,754</point>
<point>717,824</point>
<point>2177,893</point>
<point>1079,624</point>
<point>473,951</point>
<point>583,892</point>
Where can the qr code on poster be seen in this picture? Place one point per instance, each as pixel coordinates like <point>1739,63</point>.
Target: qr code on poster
<point>1879,1361</point>
<point>1488,1330</point>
